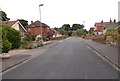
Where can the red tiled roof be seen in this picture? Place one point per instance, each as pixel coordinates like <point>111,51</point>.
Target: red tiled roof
<point>9,22</point>
<point>37,24</point>
<point>103,23</point>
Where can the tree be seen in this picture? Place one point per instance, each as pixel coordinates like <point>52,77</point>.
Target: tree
<point>66,27</point>
<point>62,31</point>
<point>69,33</point>
<point>77,26</point>
<point>57,29</point>
<point>80,32</point>
<point>3,16</point>
<point>23,22</point>
<point>85,31</point>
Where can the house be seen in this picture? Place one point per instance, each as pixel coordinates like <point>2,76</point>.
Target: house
<point>17,26</point>
<point>56,33</point>
<point>100,26</point>
<point>37,28</point>
<point>110,26</point>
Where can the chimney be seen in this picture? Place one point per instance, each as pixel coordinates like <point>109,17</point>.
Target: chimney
<point>31,22</point>
<point>110,20</point>
<point>102,21</point>
<point>114,20</point>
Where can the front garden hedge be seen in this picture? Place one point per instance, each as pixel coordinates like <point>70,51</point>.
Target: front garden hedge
<point>10,38</point>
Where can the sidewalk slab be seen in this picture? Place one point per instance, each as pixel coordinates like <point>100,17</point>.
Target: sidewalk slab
<point>19,57</point>
<point>108,51</point>
<point>14,60</point>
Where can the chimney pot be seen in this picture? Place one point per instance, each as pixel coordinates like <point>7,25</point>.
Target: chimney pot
<point>110,20</point>
<point>31,22</point>
<point>102,21</point>
<point>114,20</point>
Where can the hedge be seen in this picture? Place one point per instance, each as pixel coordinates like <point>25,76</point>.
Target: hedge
<point>10,38</point>
<point>12,35</point>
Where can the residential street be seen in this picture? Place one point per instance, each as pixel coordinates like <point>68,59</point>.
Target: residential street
<point>70,59</point>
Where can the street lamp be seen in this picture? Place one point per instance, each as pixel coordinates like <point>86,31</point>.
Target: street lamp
<point>84,24</point>
<point>41,23</point>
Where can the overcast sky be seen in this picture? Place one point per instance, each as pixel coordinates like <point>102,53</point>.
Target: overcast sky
<point>55,13</point>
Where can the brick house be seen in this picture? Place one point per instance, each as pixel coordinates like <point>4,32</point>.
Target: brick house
<point>35,28</point>
<point>100,26</point>
<point>17,26</point>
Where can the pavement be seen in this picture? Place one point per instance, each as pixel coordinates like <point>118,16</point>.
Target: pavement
<point>68,59</point>
<point>19,56</point>
<point>108,51</point>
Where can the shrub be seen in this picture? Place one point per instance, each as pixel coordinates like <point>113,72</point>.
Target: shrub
<point>38,39</point>
<point>45,38</point>
<point>12,35</point>
<point>25,46</point>
<point>6,45</point>
<point>27,38</point>
<point>34,45</point>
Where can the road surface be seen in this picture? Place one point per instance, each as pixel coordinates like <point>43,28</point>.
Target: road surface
<point>70,59</point>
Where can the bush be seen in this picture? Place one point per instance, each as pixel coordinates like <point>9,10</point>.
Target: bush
<point>25,46</point>
<point>6,45</point>
<point>38,39</point>
<point>34,45</point>
<point>27,38</point>
<point>12,35</point>
<point>45,38</point>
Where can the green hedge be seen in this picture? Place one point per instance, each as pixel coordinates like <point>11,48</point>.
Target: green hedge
<point>6,45</point>
<point>12,35</point>
<point>10,38</point>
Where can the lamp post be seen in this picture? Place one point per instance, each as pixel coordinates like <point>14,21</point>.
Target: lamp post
<point>41,24</point>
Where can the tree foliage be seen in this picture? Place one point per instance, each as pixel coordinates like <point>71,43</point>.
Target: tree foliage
<point>77,26</point>
<point>3,16</point>
<point>67,30</point>
<point>66,27</point>
<point>62,31</point>
<point>23,22</point>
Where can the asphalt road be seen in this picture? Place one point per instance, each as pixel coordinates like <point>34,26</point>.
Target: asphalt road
<point>70,59</point>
